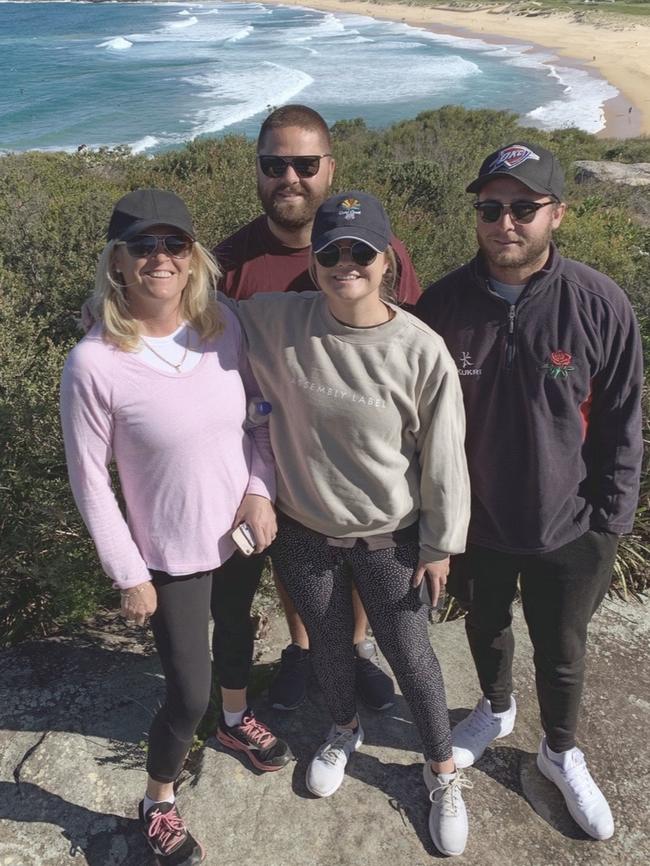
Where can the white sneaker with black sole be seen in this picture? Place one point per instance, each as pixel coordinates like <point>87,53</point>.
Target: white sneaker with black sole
<point>448,824</point>
<point>584,799</point>
<point>327,768</point>
<point>471,737</point>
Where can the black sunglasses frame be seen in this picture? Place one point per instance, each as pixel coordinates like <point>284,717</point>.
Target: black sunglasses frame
<point>520,211</point>
<point>330,256</point>
<point>304,166</point>
<point>137,252</point>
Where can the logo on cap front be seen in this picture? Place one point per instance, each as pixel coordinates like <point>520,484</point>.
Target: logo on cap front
<point>511,157</point>
<point>350,208</point>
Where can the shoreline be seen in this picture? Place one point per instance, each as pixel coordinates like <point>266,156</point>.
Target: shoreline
<point>620,57</point>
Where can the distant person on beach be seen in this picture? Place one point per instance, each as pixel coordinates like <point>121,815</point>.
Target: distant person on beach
<point>160,385</point>
<point>295,168</point>
<point>367,427</point>
<point>549,358</point>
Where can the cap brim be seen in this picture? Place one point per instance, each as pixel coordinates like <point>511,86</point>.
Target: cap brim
<point>478,184</point>
<point>379,244</point>
<point>141,226</point>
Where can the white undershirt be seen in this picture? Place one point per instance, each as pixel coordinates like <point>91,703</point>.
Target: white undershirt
<point>172,347</point>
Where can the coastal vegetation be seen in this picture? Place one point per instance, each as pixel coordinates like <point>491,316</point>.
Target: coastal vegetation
<point>533,8</point>
<point>54,209</point>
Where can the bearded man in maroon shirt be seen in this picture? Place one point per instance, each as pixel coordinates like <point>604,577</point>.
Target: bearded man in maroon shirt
<point>295,169</point>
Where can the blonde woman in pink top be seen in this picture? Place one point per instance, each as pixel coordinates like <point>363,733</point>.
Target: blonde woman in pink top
<point>160,385</point>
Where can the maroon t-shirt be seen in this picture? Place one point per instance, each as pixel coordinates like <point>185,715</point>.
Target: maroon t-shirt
<point>254,260</point>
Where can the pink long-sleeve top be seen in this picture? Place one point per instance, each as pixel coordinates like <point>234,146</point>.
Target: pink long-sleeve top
<point>183,457</point>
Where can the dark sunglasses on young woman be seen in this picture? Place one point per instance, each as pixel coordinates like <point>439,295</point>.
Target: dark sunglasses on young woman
<point>520,211</point>
<point>143,246</point>
<point>362,254</point>
<point>304,166</point>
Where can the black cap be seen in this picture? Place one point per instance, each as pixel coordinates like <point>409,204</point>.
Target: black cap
<point>535,167</point>
<point>143,209</point>
<point>354,215</point>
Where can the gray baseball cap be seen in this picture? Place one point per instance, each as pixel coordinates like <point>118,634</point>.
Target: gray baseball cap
<point>143,209</point>
<point>534,166</point>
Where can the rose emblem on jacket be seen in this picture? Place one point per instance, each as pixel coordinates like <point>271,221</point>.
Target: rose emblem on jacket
<point>559,364</point>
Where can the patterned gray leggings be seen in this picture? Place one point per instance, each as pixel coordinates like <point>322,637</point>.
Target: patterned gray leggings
<point>318,578</point>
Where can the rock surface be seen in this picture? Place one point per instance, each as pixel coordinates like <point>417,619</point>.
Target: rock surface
<point>628,174</point>
<point>74,714</point>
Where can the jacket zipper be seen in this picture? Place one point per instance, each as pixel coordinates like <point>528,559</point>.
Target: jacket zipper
<point>510,347</point>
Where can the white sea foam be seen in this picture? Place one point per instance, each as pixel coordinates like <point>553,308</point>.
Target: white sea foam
<point>148,142</point>
<point>117,44</point>
<point>582,105</point>
<point>239,94</point>
<point>180,25</point>
<point>240,34</point>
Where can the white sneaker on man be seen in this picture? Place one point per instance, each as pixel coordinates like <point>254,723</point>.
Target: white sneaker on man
<point>448,817</point>
<point>473,735</point>
<point>327,768</point>
<point>584,799</point>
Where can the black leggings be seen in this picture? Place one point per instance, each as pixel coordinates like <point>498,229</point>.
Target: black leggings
<point>560,592</point>
<point>180,628</point>
<point>318,579</point>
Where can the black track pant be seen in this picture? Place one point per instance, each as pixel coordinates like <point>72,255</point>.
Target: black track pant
<point>318,579</point>
<point>180,628</point>
<point>560,592</point>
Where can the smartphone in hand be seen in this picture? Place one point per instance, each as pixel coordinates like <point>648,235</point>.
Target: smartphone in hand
<point>424,595</point>
<point>243,537</point>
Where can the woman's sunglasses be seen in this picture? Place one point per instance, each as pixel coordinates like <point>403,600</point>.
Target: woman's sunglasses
<point>360,253</point>
<point>304,166</point>
<point>143,246</point>
<point>520,211</point>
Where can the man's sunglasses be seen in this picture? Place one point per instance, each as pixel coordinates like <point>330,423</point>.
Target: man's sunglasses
<point>304,166</point>
<point>360,253</point>
<point>520,211</point>
<point>143,246</point>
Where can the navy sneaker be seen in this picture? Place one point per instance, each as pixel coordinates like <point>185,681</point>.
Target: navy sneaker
<point>289,688</point>
<point>168,837</point>
<point>374,686</point>
<point>264,750</point>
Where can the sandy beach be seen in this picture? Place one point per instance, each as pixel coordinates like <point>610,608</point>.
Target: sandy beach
<point>617,49</point>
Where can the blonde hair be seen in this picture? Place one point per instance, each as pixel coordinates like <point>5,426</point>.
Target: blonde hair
<point>109,303</point>
<point>387,285</point>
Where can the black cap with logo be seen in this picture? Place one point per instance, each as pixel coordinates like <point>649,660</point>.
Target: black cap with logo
<point>535,167</point>
<point>354,215</point>
<point>143,209</point>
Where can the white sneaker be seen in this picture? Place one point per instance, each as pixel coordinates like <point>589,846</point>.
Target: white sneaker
<point>327,768</point>
<point>584,799</point>
<point>473,735</point>
<point>448,816</point>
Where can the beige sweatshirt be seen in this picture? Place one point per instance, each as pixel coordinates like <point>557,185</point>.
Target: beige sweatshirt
<point>367,425</point>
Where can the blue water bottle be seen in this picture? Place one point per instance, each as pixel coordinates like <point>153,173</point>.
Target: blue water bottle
<point>257,413</point>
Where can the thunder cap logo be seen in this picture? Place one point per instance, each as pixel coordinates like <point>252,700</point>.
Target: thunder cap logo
<point>511,157</point>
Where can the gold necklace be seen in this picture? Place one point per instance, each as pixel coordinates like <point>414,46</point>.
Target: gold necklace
<point>178,366</point>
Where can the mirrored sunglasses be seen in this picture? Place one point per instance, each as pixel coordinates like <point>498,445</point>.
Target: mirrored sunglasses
<point>143,246</point>
<point>520,211</point>
<point>362,254</point>
<point>304,166</point>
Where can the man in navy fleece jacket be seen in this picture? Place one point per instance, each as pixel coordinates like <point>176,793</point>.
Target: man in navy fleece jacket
<point>549,358</point>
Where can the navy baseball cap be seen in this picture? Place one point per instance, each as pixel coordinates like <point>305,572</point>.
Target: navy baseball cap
<point>535,167</point>
<point>354,215</point>
<point>143,209</point>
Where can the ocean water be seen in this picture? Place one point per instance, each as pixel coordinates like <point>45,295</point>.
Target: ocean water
<point>153,75</point>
